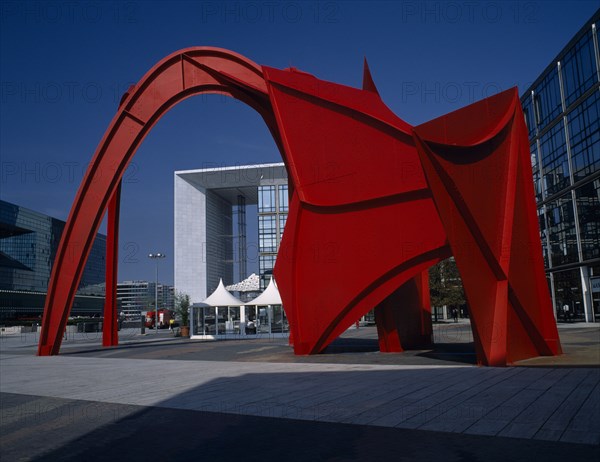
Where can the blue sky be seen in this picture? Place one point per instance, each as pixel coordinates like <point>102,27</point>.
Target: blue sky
<point>65,64</point>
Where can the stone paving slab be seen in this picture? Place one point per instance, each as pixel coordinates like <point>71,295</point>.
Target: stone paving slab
<point>534,403</point>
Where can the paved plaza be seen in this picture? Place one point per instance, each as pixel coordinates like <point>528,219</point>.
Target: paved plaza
<point>159,396</point>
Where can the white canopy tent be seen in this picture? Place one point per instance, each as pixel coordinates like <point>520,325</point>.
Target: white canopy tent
<point>221,315</point>
<point>270,318</point>
<point>221,297</point>
<point>218,315</point>
<point>269,297</point>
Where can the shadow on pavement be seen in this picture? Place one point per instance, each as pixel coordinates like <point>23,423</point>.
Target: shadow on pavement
<point>453,352</point>
<point>76,350</point>
<point>463,353</point>
<point>194,425</point>
<point>352,345</point>
<point>344,349</point>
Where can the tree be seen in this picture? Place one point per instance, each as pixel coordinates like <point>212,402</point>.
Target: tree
<point>182,307</point>
<point>445,284</point>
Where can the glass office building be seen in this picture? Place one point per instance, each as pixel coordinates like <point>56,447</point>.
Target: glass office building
<point>137,297</point>
<point>562,112</point>
<point>28,245</point>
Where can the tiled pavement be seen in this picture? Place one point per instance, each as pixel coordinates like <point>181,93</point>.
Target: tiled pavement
<point>341,406</point>
<point>557,404</point>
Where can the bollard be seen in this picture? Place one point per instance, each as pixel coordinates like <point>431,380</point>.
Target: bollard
<point>143,327</point>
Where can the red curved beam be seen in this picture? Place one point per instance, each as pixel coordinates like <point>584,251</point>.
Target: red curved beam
<point>183,74</point>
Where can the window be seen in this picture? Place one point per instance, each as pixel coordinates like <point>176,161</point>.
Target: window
<point>561,229</point>
<point>588,210</point>
<point>529,114</point>
<point>265,268</point>
<point>555,164</point>
<point>584,137</point>
<point>283,198</point>
<point>537,178</point>
<point>282,220</point>
<point>266,199</point>
<point>579,69</point>
<point>543,235</point>
<point>535,165</point>
<point>567,286</point>
<point>267,233</point>
<point>547,99</point>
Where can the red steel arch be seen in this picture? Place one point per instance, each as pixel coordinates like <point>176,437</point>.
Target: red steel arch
<point>374,202</point>
<point>183,74</point>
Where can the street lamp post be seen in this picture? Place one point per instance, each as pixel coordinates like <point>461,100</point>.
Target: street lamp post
<point>157,257</point>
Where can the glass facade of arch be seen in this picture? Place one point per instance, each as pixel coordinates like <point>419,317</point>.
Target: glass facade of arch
<point>273,206</point>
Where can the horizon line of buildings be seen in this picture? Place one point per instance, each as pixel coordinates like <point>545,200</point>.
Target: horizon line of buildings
<point>28,244</point>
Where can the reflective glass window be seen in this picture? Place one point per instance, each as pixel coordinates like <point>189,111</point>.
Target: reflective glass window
<point>547,99</point>
<point>537,177</point>
<point>267,233</point>
<point>197,321</point>
<point>277,323</point>
<point>266,199</point>
<point>543,235</point>
<point>263,325</point>
<point>579,69</point>
<point>265,268</point>
<point>250,320</point>
<point>232,322</point>
<point>529,113</point>
<point>584,137</point>
<point>282,221</point>
<point>535,165</point>
<point>561,230</point>
<point>28,244</point>
<point>283,198</point>
<point>555,163</point>
<point>209,320</point>
<point>221,319</point>
<point>568,295</point>
<point>588,210</point>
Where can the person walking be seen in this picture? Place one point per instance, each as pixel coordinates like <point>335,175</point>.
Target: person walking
<point>455,314</point>
<point>566,312</point>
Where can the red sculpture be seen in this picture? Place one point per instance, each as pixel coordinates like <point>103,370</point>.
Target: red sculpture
<point>374,203</point>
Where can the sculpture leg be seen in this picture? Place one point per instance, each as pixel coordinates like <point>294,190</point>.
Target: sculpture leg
<point>110,336</point>
<point>480,176</point>
<point>404,318</point>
